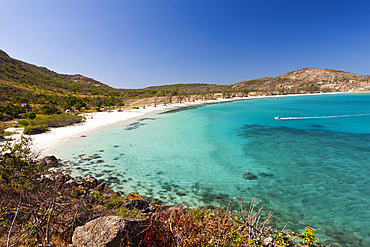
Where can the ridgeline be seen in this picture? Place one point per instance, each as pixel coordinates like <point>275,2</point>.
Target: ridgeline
<point>21,82</point>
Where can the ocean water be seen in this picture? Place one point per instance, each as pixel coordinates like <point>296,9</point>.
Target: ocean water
<point>312,165</point>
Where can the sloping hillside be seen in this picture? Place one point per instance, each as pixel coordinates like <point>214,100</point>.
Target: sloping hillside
<point>22,82</point>
<point>28,77</point>
<point>309,80</point>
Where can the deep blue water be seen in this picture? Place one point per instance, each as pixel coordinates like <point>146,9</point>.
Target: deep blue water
<point>312,165</point>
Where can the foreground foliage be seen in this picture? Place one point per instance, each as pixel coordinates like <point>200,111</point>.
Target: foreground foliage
<point>39,207</point>
<point>202,227</point>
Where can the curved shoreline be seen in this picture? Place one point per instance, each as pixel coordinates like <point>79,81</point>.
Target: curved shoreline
<point>55,137</point>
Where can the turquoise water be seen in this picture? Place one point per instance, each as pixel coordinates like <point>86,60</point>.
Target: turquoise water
<point>312,165</point>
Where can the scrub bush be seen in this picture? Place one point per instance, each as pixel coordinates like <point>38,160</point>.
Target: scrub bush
<point>202,227</point>
<point>56,120</point>
<point>35,129</point>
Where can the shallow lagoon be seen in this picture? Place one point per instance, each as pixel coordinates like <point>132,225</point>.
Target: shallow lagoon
<point>312,168</point>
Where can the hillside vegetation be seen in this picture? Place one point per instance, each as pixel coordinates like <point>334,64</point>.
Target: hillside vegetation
<point>21,82</point>
<point>26,88</point>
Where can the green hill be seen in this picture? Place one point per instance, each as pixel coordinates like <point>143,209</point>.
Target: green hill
<point>21,83</point>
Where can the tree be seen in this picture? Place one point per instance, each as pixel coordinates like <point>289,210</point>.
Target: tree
<point>50,109</point>
<point>180,96</point>
<point>146,98</point>
<point>226,93</point>
<point>74,101</point>
<point>245,92</point>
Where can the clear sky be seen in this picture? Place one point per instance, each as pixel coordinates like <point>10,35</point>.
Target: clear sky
<point>139,43</point>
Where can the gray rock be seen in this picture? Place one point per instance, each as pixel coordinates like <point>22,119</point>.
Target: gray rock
<point>142,206</point>
<point>51,160</point>
<point>108,231</point>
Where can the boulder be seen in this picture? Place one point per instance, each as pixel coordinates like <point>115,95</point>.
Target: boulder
<point>249,176</point>
<point>51,160</point>
<point>135,196</point>
<point>109,231</point>
<point>262,174</point>
<point>90,182</point>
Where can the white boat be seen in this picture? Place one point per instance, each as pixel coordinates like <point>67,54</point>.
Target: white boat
<point>277,117</point>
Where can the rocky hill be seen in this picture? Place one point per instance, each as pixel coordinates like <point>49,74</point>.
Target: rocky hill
<point>309,80</point>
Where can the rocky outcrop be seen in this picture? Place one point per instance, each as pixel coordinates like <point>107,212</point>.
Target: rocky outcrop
<point>87,184</point>
<point>135,196</point>
<point>109,231</point>
<point>315,75</point>
<point>307,80</point>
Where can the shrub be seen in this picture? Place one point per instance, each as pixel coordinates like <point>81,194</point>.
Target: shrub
<point>110,200</point>
<point>56,120</point>
<point>126,213</point>
<point>35,129</point>
<point>50,109</point>
<point>10,109</point>
<point>29,199</point>
<point>31,115</point>
<point>23,122</point>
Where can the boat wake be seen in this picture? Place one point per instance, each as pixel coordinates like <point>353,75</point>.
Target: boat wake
<point>339,116</point>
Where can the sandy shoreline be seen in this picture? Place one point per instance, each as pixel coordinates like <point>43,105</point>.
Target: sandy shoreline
<point>55,137</point>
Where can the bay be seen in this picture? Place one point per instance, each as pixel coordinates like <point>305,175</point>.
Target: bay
<point>312,165</point>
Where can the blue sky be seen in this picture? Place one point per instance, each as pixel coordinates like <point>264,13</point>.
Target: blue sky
<point>139,43</point>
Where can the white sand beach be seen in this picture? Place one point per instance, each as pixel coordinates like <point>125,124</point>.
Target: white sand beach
<point>42,143</point>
